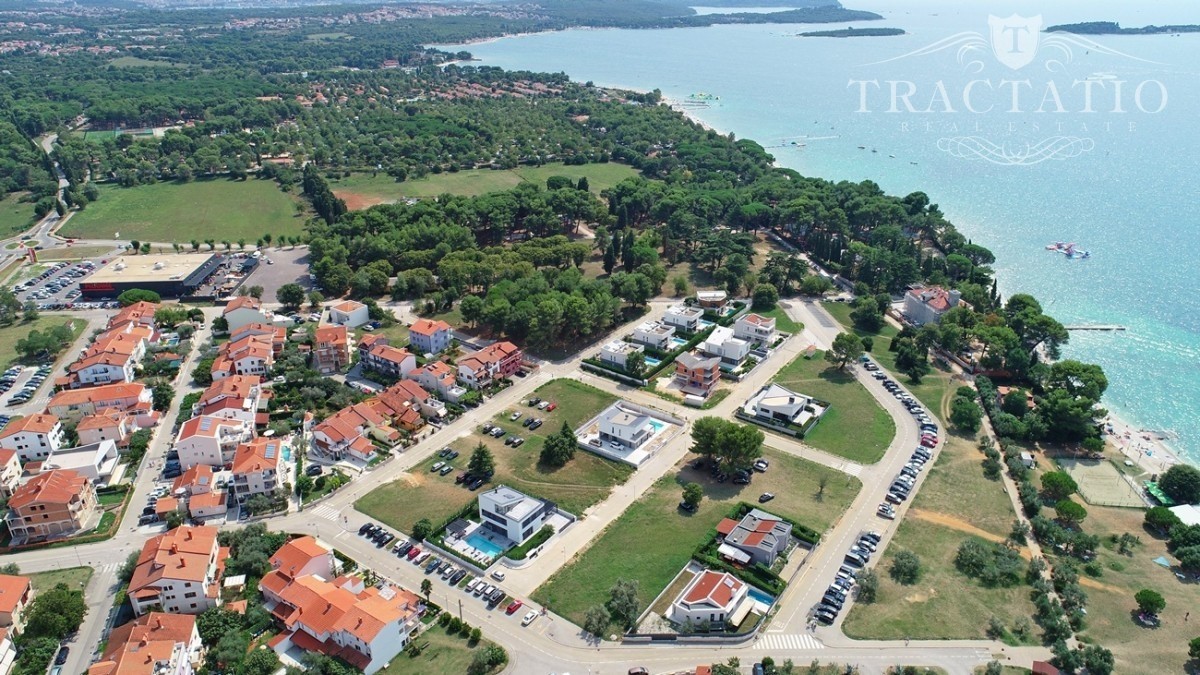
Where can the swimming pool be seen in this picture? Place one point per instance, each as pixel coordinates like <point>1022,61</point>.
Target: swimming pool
<point>657,425</point>
<point>287,454</point>
<point>652,362</point>
<point>481,543</point>
<point>677,342</point>
<point>761,596</point>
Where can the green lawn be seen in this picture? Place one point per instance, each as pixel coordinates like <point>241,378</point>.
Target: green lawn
<point>653,539</point>
<point>932,388</point>
<point>138,62</point>
<point>15,215</point>
<point>218,209</point>
<point>110,498</point>
<point>9,335</point>
<point>783,322</point>
<point>855,426</point>
<point>361,190</point>
<point>74,577</point>
<point>584,481</point>
<point>75,252</point>
<point>944,604</point>
<point>445,654</point>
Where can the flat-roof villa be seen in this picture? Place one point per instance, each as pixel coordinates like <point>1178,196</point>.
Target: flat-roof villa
<point>617,353</point>
<point>628,432</point>
<point>658,335</point>
<point>723,344</point>
<point>507,518</point>
<point>777,406</point>
<point>682,317</point>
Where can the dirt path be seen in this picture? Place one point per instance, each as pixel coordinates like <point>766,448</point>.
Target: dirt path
<point>962,526</point>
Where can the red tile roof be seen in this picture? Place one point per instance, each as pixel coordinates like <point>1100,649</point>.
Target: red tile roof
<point>719,588</point>
<point>12,590</point>
<point>38,423</point>
<point>258,455</point>
<point>428,327</point>
<point>58,486</point>
<point>240,302</point>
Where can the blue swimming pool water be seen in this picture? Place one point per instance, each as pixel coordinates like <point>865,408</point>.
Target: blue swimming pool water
<point>287,454</point>
<point>677,342</point>
<point>652,362</point>
<point>761,596</point>
<point>481,543</point>
<point>658,426</point>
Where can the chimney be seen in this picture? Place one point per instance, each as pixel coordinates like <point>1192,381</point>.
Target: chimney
<point>158,623</point>
<point>174,547</point>
<point>187,532</point>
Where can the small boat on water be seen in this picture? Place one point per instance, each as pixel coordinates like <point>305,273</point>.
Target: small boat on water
<point>703,96</point>
<point>862,147</point>
<point>1069,250</point>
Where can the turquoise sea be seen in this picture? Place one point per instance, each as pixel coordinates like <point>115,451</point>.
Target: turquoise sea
<point>1122,185</point>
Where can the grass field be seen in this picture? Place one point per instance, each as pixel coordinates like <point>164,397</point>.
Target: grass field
<point>783,322</point>
<point>217,209</point>
<point>15,216</point>
<point>929,391</point>
<point>943,604</point>
<point>653,539</point>
<point>1109,620</point>
<point>445,654</point>
<point>854,427</point>
<point>584,481</point>
<point>75,252</point>
<point>363,190</point>
<point>75,578</point>
<point>137,62</point>
<point>9,335</point>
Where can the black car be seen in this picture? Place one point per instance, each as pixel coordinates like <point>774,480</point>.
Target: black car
<point>404,548</point>
<point>685,506</point>
<point>528,421</point>
<point>536,423</point>
<point>457,577</point>
<point>476,484</point>
<point>833,600</point>
<point>533,401</point>
<point>62,656</point>
<point>443,452</point>
<point>366,527</point>
<point>313,470</point>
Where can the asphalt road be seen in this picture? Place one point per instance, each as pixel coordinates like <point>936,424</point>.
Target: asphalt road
<point>551,644</point>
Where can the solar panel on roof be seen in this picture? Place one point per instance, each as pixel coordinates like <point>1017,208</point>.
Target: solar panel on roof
<point>269,453</point>
<point>205,424</point>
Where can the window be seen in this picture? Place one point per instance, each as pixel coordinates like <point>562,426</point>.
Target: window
<point>190,595</point>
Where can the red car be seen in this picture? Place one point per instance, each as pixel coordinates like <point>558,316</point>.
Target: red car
<point>512,609</point>
<point>929,442</point>
<point>551,407</point>
<point>414,552</point>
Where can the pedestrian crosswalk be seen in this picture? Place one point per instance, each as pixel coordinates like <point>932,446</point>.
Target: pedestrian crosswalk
<point>326,511</point>
<point>783,642</point>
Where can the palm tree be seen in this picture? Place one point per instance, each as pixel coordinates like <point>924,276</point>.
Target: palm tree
<point>426,588</point>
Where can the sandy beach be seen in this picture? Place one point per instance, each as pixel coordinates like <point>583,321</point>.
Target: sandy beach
<point>1146,448</point>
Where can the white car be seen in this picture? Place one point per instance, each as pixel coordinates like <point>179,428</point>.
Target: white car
<point>530,617</point>
<point>498,575</point>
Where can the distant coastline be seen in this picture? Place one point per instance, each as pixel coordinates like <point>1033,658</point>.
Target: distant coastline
<point>854,32</point>
<point>1114,28</point>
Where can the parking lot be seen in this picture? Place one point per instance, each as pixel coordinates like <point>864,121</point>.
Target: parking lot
<point>279,267</point>
<point>57,286</point>
<point>28,387</point>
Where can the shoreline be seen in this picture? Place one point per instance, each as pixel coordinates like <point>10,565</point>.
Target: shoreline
<point>1148,449</point>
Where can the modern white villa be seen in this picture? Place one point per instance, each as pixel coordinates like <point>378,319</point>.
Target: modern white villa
<point>617,352</point>
<point>654,334</point>
<point>777,405</point>
<point>627,432</point>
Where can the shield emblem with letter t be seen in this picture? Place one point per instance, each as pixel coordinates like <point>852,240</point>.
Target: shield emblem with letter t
<point>1015,39</point>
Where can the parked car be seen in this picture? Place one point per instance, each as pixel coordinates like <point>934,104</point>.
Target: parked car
<point>765,497</point>
<point>536,423</point>
<point>533,401</point>
<point>515,416</point>
<point>513,607</point>
<point>313,470</point>
<point>437,466</point>
<point>498,575</point>
<point>760,465</point>
<point>446,470</point>
<point>530,617</point>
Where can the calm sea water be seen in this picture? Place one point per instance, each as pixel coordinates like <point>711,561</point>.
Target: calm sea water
<point>1128,194</point>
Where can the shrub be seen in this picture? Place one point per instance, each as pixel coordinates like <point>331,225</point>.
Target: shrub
<point>906,568</point>
<point>992,564</point>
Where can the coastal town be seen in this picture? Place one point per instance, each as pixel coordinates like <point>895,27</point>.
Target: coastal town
<point>364,359</point>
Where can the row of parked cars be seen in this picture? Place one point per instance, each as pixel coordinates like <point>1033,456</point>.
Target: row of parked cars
<point>857,558</point>
<point>63,280</point>
<point>496,431</point>
<point>10,378</point>
<point>540,404</point>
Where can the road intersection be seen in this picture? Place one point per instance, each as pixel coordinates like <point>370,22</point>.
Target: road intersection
<point>552,644</point>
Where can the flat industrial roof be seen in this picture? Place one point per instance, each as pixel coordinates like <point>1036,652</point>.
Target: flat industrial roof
<point>135,268</point>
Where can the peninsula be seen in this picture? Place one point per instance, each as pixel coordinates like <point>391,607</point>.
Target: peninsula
<point>853,32</point>
<point>1114,28</point>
